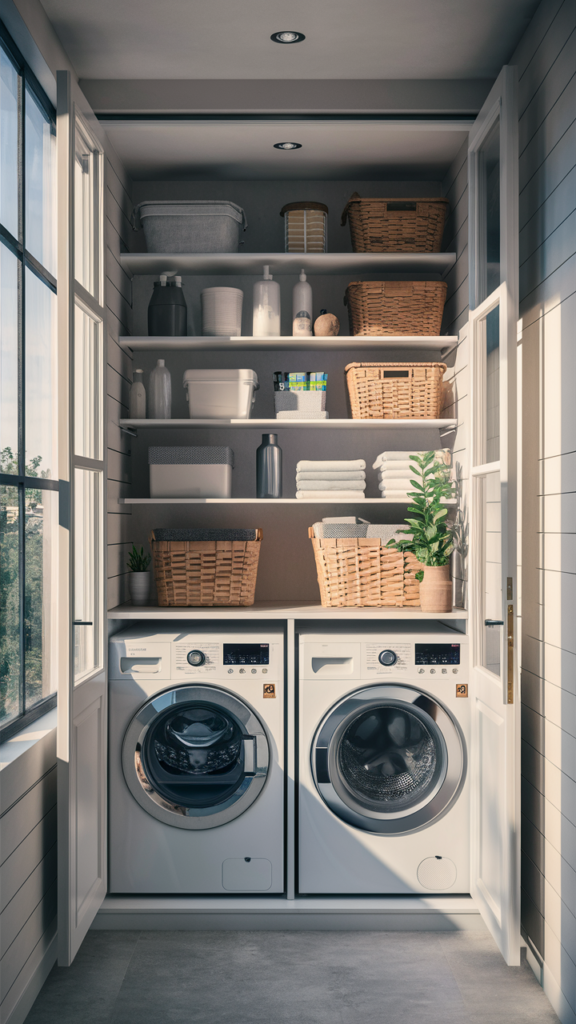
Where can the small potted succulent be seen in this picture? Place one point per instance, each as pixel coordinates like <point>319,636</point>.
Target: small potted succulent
<point>139,580</point>
<point>429,536</point>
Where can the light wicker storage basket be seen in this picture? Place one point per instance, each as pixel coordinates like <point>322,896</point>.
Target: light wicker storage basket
<point>395,391</point>
<point>395,225</point>
<point>395,307</point>
<point>361,572</point>
<point>191,573</point>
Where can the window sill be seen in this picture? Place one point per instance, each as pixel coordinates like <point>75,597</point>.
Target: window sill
<point>26,757</point>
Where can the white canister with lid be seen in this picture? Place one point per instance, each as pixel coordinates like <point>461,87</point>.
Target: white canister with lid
<point>220,394</point>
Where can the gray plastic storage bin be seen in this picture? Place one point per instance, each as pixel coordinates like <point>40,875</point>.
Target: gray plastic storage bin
<point>195,471</point>
<point>198,225</point>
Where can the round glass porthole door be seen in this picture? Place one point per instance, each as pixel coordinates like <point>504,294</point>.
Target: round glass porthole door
<point>195,757</point>
<point>388,759</point>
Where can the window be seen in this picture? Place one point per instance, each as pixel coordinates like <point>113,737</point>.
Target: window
<point>28,398</point>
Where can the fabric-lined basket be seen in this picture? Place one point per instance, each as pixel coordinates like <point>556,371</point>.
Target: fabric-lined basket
<point>395,225</point>
<point>395,391</point>
<point>395,307</point>
<point>361,572</point>
<point>207,572</point>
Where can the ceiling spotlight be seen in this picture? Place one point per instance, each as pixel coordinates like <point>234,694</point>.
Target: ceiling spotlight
<point>287,145</point>
<point>287,37</point>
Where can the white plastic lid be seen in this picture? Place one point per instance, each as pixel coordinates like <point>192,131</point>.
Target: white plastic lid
<point>220,375</point>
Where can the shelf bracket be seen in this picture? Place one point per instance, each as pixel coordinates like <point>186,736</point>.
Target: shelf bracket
<point>448,350</point>
<point>130,430</point>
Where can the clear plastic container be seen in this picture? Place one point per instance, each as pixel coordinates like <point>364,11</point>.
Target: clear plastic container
<point>220,394</point>
<point>160,396</point>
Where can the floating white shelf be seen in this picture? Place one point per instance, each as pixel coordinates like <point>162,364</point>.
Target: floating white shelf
<point>270,501</point>
<point>288,262</point>
<point>292,424</point>
<point>279,610</point>
<point>443,344</point>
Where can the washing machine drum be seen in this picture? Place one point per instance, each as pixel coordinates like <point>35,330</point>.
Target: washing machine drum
<point>388,759</point>
<point>195,756</point>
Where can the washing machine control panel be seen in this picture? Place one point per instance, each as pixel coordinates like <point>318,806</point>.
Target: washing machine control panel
<point>200,659</point>
<point>393,660</point>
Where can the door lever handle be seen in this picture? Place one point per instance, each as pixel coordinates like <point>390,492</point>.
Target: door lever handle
<point>78,622</point>
<point>493,622</point>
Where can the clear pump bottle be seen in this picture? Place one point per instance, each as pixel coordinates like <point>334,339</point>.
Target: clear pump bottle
<point>266,316</point>
<point>160,392</point>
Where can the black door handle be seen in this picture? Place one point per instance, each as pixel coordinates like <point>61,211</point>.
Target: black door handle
<point>493,622</point>
<point>78,622</point>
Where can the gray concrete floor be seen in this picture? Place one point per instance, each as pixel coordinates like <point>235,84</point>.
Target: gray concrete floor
<point>216,977</point>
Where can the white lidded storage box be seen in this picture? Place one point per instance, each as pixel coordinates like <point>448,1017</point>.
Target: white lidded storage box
<point>197,471</point>
<point>194,225</point>
<point>220,394</point>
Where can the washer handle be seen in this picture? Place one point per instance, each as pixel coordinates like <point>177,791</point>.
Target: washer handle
<point>249,755</point>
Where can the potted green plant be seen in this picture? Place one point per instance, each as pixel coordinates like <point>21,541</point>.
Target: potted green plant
<point>429,535</point>
<point>139,580</point>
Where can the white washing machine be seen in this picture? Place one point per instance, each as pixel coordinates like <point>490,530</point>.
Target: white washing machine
<point>196,790</point>
<point>384,730</point>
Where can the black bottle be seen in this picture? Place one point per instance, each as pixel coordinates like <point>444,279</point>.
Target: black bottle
<point>167,309</point>
<point>269,468</point>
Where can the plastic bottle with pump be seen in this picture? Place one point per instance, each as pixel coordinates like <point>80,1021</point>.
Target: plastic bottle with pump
<point>167,311</point>
<point>266,315</point>
<point>302,308</point>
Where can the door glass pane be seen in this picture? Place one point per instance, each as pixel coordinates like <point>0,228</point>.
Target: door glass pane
<point>489,211</point>
<point>488,446</point>
<point>83,212</point>
<point>87,556</point>
<point>8,361</point>
<point>87,386</point>
<point>8,144</point>
<point>40,343</point>
<point>491,574</point>
<point>9,605</point>
<point>40,184</point>
<point>40,612</point>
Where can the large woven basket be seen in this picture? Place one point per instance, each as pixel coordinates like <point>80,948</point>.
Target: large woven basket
<point>361,572</point>
<point>395,307</point>
<point>191,573</point>
<point>396,225</point>
<point>395,391</point>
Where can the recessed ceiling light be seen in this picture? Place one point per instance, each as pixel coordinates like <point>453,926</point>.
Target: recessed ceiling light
<point>287,145</point>
<point>287,37</point>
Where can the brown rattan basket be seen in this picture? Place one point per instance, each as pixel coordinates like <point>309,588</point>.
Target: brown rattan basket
<point>361,572</point>
<point>395,307</point>
<point>395,225</point>
<point>191,573</point>
<point>395,391</point>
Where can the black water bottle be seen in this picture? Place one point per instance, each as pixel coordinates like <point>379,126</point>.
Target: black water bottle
<point>167,309</point>
<point>269,468</point>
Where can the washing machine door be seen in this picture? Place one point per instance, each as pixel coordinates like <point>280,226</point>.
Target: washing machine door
<point>195,756</point>
<point>388,759</point>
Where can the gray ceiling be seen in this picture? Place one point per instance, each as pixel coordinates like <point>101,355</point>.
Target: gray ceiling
<point>345,39</point>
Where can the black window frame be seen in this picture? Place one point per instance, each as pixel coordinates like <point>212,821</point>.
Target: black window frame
<point>26,261</point>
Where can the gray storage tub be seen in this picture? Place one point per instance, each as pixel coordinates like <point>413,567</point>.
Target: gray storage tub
<point>195,225</point>
<point>194,471</point>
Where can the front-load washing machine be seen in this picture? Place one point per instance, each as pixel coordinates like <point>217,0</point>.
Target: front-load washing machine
<point>383,794</point>
<point>196,783</point>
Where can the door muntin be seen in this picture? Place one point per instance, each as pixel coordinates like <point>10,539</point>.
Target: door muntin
<point>389,759</point>
<point>195,757</point>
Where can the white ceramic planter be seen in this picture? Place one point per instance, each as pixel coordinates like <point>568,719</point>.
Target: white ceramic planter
<point>139,583</point>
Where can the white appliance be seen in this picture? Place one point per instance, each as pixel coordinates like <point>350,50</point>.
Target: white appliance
<point>383,790</point>
<point>196,760</point>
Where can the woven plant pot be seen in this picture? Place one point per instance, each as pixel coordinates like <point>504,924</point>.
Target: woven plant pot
<point>436,589</point>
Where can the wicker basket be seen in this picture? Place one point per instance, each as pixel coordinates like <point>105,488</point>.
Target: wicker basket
<point>395,307</point>
<point>361,572</point>
<point>190,573</point>
<point>395,391</point>
<point>396,225</point>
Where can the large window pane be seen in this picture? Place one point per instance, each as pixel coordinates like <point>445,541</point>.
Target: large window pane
<point>488,413</point>
<point>40,613</point>
<point>8,361</point>
<point>40,184</point>
<point>8,144</point>
<point>84,212</point>
<point>489,183</point>
<point>9,606</point>
<point>491,561</point>
<point>40,376</point>
<point>87,386</point>
<point>87,557</point>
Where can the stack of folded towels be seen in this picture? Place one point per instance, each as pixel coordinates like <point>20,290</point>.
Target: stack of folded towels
<point>332,479</point>
<point>395,471</point>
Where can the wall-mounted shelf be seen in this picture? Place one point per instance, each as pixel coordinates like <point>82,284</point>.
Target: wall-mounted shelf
<point>443,344</point>
<point>288,263</point>
<point>279,610</point>
<point>275,424</point>
<point>270,501</point>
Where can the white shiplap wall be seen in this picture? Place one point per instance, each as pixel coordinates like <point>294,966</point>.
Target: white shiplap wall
<point>546,61</point>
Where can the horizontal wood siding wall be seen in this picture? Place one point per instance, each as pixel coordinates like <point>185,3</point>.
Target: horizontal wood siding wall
<point>455,189</point>
<point>546,61</point>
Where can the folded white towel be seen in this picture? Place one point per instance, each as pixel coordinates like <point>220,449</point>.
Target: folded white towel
<point>442,454</point>
<point>327,495</point>
<point>330,485</point>
<point>331,466</point>
<point>400,495</point>
<point>315,474</point>
<point>401,474</point>
<point>396,467</point>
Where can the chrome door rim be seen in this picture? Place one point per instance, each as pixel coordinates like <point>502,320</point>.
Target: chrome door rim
<point>175,814</point>
<point>339,799</point>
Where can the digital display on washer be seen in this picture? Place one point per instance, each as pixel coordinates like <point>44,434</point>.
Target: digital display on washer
<point>437,654</point>
<point>246,654</point>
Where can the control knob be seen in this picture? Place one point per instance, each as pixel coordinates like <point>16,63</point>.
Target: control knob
<point>387,658</point>
<point>196,658</point>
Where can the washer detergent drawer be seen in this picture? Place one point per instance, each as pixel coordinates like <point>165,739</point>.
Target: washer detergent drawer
<point>330,661</point>
<point>132,659</point>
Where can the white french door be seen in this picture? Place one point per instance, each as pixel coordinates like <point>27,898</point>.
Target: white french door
<point>82,709</point>
<point>495,765</point>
